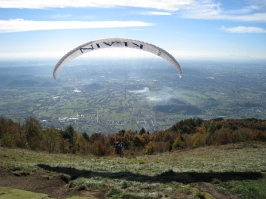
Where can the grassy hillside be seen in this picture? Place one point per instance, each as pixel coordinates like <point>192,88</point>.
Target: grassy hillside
<point>228,171</point>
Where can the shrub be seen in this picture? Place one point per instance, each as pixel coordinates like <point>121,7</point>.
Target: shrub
<point>199,139</point>
<point>258,135</point>
<point>221,136</point>
<point>7,140</point>
<point>240,135</point>
<point>150,148</point>
<point>64,146</point>
<point>99,149</point>
<point>162,147</point>
<point>179,143</point>
<point>113,192</point>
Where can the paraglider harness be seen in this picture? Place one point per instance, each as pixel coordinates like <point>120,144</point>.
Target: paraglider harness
<point>118,148</point>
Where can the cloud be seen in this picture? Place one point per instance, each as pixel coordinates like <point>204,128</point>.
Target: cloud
<point>243,29</point>
<point>252,10</point>
<point>155,98</point>
<point>164,95</point>
<point>141,91</point>
<point>33,4</point>
<point>249,17</point>
<point>211,16</point>
<point>21,25</point>
<point>155,13</point>
<point>210,10</point>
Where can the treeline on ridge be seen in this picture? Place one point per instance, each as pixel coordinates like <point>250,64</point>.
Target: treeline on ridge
<point>185,134</point>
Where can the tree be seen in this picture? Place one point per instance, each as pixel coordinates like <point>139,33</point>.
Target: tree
<point>179,143</point>
<point>81,144</point>
<point>97,137</point>
<point>68,134</point>
<point>137,140</point>
<point>32,130</point>
<point>86,137</point>
<point>51,140</point>
<point>7,140</point>
<point>99,149</point>
<point>211,128</point>
<point>150,148</point>
<point>9,129</point>
<point>142,131</point>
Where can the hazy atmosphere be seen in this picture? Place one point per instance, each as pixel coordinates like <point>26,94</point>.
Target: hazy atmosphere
<point>108,95</point>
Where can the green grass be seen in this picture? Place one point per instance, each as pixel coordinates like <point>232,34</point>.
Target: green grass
<point>246,189</point>
<point>9,193</point>
<point>235,169</point>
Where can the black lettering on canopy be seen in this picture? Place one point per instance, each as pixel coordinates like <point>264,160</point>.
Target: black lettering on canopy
<point>138,46</point>
<point>108,44</point>
<point>82,49</point>
<point>98,45</point>
<point>159,53</point>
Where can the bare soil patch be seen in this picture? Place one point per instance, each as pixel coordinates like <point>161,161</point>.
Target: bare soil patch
<point>54,186</point>
<point>214,191</point>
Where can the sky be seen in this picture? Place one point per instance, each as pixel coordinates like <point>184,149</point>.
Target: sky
<point>188,29</point>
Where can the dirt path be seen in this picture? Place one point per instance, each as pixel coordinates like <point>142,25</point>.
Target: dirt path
<point>214,191</point>
<point>55,187</point>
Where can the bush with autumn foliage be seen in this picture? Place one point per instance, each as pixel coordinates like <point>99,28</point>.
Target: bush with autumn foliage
<point>185,134</point>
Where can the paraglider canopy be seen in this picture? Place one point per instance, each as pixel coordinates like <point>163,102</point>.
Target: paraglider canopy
<point>115,42</point>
